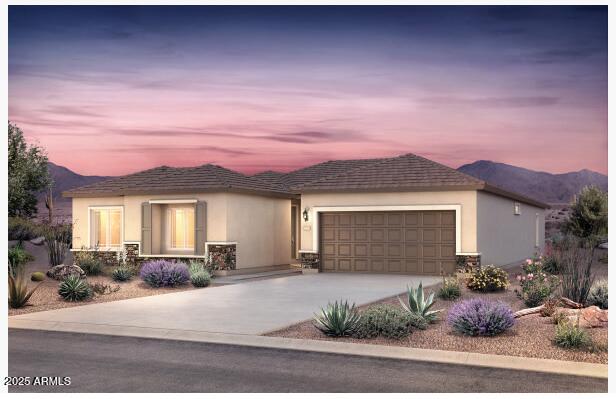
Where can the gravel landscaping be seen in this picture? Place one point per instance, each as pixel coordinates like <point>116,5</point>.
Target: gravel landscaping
<point>46,296</point>
<point>530,337</point>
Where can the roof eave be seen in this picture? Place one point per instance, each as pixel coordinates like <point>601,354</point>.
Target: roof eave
<point>518,197</point>
<point>442,187</point>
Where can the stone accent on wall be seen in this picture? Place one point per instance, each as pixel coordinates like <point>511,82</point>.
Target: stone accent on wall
<point>110,258</point>
<point>222,256</point>
<point>467,263</point>
<point>309,260</point>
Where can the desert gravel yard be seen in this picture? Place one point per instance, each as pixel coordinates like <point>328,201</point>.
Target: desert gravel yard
<point>46,295</point>
<point>530,337</point>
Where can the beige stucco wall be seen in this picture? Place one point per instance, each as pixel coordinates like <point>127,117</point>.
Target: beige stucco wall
<point>503,237</point>
<point>260,225</point>
<point>466,199</point>
<point>262,228</point>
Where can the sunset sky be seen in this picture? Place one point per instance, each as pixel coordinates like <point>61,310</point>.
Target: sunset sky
<point>113,90</point>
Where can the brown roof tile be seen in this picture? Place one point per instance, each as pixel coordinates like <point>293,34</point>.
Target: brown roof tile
<point>404,172</point>
<point>165,179</point>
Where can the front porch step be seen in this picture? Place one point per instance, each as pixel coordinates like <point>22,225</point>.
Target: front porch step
<point>242,278</point>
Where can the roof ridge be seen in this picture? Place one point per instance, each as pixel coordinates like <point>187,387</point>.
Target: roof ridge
<point>446,167</point>
<point>378,161</point>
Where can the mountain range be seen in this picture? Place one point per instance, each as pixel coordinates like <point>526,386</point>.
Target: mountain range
<point>543,186</point>
<point>546,187</point>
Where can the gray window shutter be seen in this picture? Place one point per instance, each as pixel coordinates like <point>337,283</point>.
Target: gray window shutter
<point>200,227</point>
<point>146,228</point>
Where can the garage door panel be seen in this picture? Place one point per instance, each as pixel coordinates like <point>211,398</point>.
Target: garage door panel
<point>328,234</point>
<point>377,250</point>
<point>328,249</point>
<point>448,235</point>
<point>394,250</point>
<point>411,235</point>
<point>328,219</point>
<point>448,251</point>
<point>412,242</point>
<point>361,265</point>
<point>344,265</point>
<point>394,235</point>
<point>395,219</point>
<point>377,235</point>
<point>360,250</point>
<point>394,265</point>
<point>360,234</point>
<point>344,250</point>
<point>430,235</point>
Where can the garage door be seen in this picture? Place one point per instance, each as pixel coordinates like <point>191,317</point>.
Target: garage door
<point>412,242</point>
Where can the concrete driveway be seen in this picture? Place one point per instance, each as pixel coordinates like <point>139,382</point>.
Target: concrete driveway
<point>249,308</point>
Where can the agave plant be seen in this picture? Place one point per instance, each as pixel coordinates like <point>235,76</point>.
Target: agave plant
<point>73,288</point>
<point>418,305</point>
<point>18,290</point>
<point>337,319</point>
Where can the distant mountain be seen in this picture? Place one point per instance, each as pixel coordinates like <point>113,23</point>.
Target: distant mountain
<point>543,186</point>
<point>65,179</point>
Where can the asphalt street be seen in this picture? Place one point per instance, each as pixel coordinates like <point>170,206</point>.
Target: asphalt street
<point>99,363</point>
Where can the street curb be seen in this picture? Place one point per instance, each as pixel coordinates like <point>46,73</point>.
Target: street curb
<point>581,369</point>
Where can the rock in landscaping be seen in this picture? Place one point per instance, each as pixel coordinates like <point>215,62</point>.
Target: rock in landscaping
<point>61,272</point>
<point>38,240</point>
<point>590,317</point>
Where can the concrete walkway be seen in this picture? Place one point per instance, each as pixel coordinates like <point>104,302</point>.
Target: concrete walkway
<point>253,307</point>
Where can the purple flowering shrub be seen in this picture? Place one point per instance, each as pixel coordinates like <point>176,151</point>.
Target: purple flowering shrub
<point>164,273</point>
<point>480,316</point>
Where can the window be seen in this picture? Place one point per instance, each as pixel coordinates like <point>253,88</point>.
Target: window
<point>182,227</point>
<point>516,208</point>
<point>106,227</point>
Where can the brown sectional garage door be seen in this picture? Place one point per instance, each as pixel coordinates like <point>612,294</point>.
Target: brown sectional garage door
<point>411,242</point>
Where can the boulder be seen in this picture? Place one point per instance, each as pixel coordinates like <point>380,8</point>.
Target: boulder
<point>603,245</point>
<point>590,317</point>
<point>61,272</point>
<point>38,240</point>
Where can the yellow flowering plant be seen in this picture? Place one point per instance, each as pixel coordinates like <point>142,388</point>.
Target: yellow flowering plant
<point>488,278</point>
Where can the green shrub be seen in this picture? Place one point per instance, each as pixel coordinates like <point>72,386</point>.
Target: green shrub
<point>74,289</point>
<point>387,321</point>
<point>196,267</point>
<point>103,289</point>
<point>487,279</point>
<point>598,294</point>
<point>18,257</point>
<point>571,336</point>
<point>200,279</point>
<point>450,290</point>
<point>122,273</point>
<point>37,276</point>
<point>536,288</point>
<point>418,305</point>
<point>21,229</point>
<point>19,295</point>
<point>89,263</point>
<point>588,219</point>
<point>338,319</point>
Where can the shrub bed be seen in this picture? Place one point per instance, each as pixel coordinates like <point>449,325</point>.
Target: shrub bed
<point>387,321</point>
<point>487,279</point>
<point>479,316</point>
<point>163,273</point>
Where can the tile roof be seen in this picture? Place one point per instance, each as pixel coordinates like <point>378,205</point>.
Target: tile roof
<point>165,179</point>
<point>407,172</point>
<point>404,172</point>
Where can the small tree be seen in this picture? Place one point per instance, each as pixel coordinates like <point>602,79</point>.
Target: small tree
<point>27,173</point>
<point>588,218</point>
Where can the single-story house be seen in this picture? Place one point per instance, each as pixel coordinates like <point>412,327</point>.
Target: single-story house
<point>404,214</point>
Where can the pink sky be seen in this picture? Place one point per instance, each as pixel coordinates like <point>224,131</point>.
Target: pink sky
<point>109,95</point>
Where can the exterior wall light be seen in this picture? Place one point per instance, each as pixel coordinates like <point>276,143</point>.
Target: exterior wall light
<point>305,214</point>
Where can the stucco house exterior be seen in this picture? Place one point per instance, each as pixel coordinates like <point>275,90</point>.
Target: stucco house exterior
<point>405,214</point>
